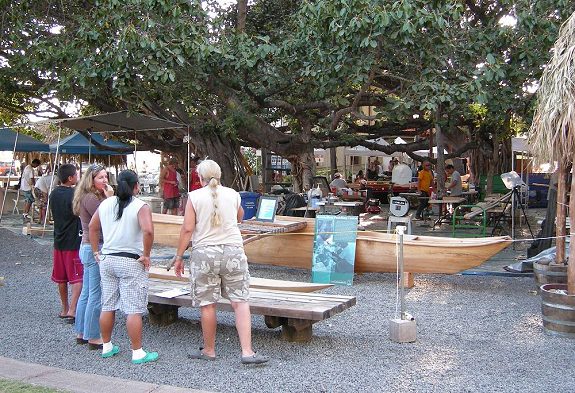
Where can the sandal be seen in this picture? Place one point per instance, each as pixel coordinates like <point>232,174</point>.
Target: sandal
<point>200,355</point>
<point>114,351</point>
<point>70,320</point>
<point>94,346</point>
<point>256,358</point>
<point>150,357</point>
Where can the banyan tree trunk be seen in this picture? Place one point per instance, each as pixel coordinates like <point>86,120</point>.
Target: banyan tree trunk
<point>303,171</point>
<point>225,152</point>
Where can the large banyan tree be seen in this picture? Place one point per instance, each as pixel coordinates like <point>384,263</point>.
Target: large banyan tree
<point>286,75</point>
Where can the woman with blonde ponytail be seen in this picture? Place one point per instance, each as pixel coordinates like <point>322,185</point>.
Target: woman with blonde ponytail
<point>218,264</point>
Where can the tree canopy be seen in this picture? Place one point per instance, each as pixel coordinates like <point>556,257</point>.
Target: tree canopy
<point>291,75</point>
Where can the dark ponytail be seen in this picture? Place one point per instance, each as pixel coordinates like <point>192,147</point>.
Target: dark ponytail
<point>125,191</point>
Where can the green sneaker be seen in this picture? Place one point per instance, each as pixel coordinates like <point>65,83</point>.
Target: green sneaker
<point>115,350</point>
<point>150,357</point>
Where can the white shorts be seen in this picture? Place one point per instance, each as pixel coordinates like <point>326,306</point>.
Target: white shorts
<point>124,284</point>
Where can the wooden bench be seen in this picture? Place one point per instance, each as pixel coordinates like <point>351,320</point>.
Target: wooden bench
<point>295,312</point>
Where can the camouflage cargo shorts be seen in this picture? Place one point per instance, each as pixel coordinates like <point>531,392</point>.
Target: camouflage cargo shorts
<point>42,201</point>
<point>218,271</point>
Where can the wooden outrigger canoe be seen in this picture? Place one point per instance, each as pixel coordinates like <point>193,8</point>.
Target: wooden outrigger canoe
<point>375,251</point>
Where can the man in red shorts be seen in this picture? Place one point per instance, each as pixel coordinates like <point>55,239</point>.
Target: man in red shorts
<point>67,238</point>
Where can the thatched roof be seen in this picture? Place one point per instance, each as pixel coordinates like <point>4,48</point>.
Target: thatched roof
<point>549,136</point>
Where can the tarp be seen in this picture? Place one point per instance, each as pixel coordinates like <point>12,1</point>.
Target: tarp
<point>425,152</point>
<point>519,144</point>
<point>118,121</point>
<point>25,143</point>
<point>78,144</point>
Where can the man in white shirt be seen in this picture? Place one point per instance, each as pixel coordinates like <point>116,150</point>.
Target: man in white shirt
<point>26,183</point>
<point>337,183</point>
<point>455,185</point>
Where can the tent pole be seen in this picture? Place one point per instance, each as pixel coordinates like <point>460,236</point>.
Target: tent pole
<point>52,181</point>
<point>188,159</point>
<point>90,150</point>
<point>9,175</point>
<point>135,158</point>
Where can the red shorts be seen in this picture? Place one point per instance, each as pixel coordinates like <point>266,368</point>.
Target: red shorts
<point>67,267</point>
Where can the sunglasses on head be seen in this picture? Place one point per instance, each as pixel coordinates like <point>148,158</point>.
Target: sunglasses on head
<point>95,168</point>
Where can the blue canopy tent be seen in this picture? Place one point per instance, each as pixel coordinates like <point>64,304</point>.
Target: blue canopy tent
<point>15,141</point>
<point>124,122</point>
<point>79,144</point>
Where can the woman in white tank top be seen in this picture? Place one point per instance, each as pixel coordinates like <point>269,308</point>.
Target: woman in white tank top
<point>218,264</point>
<point>126,224</point>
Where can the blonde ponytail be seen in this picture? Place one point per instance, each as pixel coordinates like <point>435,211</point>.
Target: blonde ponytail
<point>210,172</point>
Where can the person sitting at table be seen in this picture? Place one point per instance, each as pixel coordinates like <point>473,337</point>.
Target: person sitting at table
<point>337,183</point>
<point>454,186</point>
<point>424,181</point>
<point>372,173</point>
<point>361,180</point>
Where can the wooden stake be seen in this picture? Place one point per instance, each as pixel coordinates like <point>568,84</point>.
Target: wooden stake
<point>561,212</point>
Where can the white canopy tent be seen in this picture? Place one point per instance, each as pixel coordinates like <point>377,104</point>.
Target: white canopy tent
<point>425,152</point>
<point>362,151</point>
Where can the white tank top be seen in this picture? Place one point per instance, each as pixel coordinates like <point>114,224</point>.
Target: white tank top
<point>124,235</point>
<point>228,202</point>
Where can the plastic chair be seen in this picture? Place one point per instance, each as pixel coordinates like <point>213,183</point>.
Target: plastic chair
<point>399,220</point>
<point>458,223</point>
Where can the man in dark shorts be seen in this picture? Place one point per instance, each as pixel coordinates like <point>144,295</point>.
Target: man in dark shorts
<point>67,238</point>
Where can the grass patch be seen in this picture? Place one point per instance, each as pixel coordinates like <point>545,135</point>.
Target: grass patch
<point>8,386</point>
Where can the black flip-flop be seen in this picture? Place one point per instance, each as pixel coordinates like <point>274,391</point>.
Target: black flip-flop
<point>70,320</point>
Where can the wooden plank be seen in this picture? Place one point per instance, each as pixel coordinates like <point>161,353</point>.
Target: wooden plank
<point>255,282</point>
<point>28,229</point>
<point>308,306</point>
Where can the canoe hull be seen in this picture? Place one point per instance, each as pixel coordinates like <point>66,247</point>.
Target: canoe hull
<point>375,252</point>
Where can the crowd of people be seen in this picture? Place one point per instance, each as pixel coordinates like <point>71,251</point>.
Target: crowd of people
<point>102,244</point>
<point>103,239</point>
<point>426,181</point>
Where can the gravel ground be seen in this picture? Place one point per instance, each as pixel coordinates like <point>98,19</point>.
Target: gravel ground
<point>474,334</point>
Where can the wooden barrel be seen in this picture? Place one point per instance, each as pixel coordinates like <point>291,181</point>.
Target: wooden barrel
<point>552,273</point>
<point>558,310</point>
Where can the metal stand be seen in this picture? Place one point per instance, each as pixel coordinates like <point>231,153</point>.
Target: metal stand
<point>515,200</point>
<point>402,329</point>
